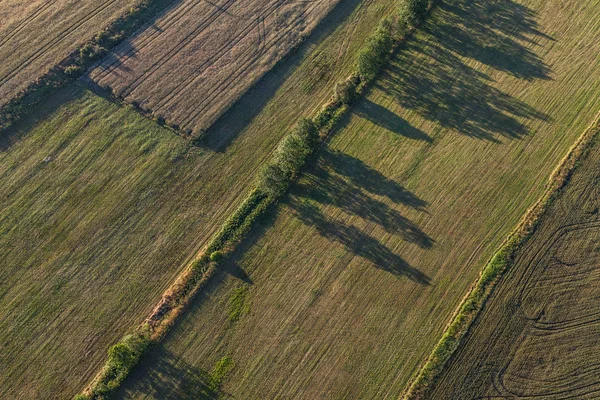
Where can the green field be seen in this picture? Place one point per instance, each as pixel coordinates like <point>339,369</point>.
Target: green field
<point>349,284</point>
<point>101,208</point>
<point>537,335</point>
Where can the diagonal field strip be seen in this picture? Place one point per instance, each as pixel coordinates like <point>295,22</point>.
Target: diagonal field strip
<point>428,175</point>
<point>190,66</point>
<point>99,216</point>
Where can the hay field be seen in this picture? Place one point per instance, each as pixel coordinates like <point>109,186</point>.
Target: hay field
<point>194,62</point>
<point>345,290</point>
<point>92,237</point>
<point>537,337</point>
<point>36,35</point>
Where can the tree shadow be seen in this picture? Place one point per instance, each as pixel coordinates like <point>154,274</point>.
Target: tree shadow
<point>447,90</point>
<point>387,119</point>
<point>356,241</point>
<point>171,377</point>
<point>343,181</point>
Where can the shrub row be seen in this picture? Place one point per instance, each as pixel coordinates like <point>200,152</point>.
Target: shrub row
<point>272,182</point>
<point>500,262</point>
<point>76,63</point>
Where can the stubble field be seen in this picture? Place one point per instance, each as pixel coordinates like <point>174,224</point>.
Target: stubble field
<point>101,208</point>
<point>191,64</point>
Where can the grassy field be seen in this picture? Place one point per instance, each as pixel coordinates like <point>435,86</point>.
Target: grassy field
<point>35,35</point>
<point>100,208</point>
<point>200,57</point>
<point>344,291</point>
<point>537,335</point>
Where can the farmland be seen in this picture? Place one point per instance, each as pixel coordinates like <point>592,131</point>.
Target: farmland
<point>345,289</point>
<point>35,35</point>
<point>537,335</point>
<point>190,65</point>
<point>101,208</point>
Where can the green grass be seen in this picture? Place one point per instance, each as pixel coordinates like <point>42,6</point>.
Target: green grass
<point>394,223</point>
<point>94,235</point>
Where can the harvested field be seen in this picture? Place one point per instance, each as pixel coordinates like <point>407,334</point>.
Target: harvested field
<point>194,62</point>
<point>537,336</point>
<point>349,284</point>
<point>90,238</point>
<point>36,35</point>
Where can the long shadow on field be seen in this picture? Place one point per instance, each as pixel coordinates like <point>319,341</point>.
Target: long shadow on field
<point>345,182</point>
<point>171,377</point>
<point>220,135</point>
<point>443,88</point>
<point>387,119</point>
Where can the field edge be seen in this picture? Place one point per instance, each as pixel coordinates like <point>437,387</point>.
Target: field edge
<point>474,301</point>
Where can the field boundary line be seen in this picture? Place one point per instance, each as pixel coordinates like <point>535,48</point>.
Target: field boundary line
<point>76,64</point>
<point>475,299</point>
<point>292,155</point>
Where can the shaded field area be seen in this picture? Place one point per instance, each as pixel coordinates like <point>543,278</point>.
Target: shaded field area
<point>348,285</point>
<point>101,208</point>
<point>35,35</point>
<point>191,64</point>
<point>537,336</point>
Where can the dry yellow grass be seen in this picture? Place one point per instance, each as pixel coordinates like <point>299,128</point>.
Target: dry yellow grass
<point>91,237</point>
<point>537,335</point>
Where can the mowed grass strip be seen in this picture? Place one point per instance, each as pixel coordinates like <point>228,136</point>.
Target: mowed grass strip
<point>537,335</point>
<point>36,35</point>
<point>192,63</point>
<point>102,208</point>
<point>352,281</point>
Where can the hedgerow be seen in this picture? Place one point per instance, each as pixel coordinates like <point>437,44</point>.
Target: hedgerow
<point>272,182</point>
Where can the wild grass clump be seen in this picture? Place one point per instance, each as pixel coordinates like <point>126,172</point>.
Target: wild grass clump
<point>122,357</point>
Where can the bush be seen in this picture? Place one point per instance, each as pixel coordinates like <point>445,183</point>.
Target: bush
<point>373,56</point>
<point>73,70</point>
<point>345,92</point>
<point>411,12</point>
<point>216,256</point>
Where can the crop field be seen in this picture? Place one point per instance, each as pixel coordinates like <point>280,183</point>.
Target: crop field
<point>35,35</point>
<point>201,56</point>
<point>537,337</point>
<point>100,208</point>
<point>346,288</point>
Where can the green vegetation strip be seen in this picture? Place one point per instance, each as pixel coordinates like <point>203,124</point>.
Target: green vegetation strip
<point>284,167</point>
<point>500,262</point>
<point>77,63</point>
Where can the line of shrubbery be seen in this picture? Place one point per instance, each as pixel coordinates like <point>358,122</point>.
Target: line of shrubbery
<point>78,61</point>
<point>494,269</point>
<point>272,182</point>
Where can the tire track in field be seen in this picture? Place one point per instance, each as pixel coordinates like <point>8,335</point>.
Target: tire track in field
<point>24,23</point>
<point>228,81</point>
<point>224,49</point>
<point>147,39</point>
<point>176,49</point>
<point>57,40</point>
